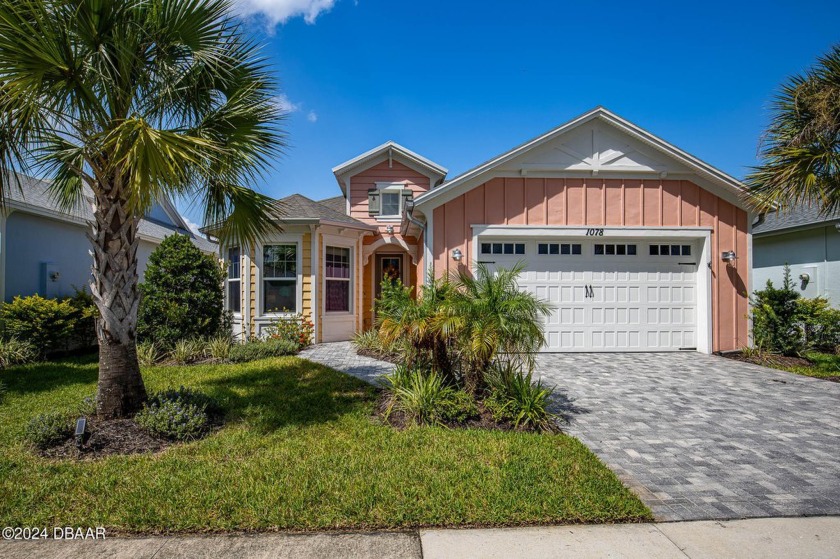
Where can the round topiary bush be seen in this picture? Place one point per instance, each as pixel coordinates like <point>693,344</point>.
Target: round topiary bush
<point>181,297</point>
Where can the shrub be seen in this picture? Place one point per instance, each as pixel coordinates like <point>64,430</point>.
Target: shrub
<point>47,430</point>
<point>187,396</point>
<point>47,324</point>
<point>820,323</point>
<point>775,314</point>
<point>87,407</point>
<point>173,419</point>
<point>516,398</point>
<point>2,391</point>
<point>425,399</point>
<point>371,342</point>
<point>181,297</point>
<point>84,327</point>
<point>187,351</point>
<point>297,329</point>
<point>16,352</point>
<point>219,347</point>
<point>148,353</point>
<point>261,349</point>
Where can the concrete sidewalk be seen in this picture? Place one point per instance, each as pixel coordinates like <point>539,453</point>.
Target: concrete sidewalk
<point>767,538</point>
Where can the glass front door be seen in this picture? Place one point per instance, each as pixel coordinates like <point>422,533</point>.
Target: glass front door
<point>388,266</point>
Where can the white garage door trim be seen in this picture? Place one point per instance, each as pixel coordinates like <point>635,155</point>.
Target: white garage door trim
<point>702,234</point>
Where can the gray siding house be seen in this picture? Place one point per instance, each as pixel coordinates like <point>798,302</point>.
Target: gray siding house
<point>805,240</point>
<point>45,250</point>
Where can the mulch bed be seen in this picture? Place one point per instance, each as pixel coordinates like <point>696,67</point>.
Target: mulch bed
<point>484,420</point>
<point>769,360</point>
<point>395,359</point>
<point>107,438</point>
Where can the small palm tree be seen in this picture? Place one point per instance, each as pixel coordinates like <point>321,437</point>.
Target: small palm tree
<point>491,316</point>
<point>801,153</point>
<point>134,101</point>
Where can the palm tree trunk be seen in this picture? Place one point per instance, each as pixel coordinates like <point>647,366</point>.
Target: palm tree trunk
<point>121,391</point>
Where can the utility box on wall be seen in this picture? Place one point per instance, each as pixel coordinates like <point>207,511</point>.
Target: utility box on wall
<point>50,280</point>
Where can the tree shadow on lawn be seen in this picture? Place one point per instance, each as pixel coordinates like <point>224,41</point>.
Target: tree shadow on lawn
<point>44,376</point>
<point>270,396</point>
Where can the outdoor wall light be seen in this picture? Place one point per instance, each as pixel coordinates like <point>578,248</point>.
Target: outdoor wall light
<point>728,256</point>
<point>390,229</point>
<point>457,255</point>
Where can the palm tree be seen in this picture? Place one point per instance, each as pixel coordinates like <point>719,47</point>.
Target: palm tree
<point>134,101</point>
<point>801,148</point>
<point>492,317</point>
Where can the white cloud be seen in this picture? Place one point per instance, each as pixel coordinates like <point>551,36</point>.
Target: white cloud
<point>193,226</point>
<point>280,11</point>
<point>286,105</point>
<point>312,116</point>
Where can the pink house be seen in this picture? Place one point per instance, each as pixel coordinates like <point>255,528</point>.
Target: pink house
<point>638,245</point>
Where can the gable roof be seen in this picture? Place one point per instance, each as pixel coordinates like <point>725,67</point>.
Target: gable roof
<point>390,149</point>
<point>473,176</point>
<point>298,207</point>
<point>34,197</point>
<point>801,216</point>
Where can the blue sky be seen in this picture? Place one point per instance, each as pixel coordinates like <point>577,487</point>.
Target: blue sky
<point>460,82</point>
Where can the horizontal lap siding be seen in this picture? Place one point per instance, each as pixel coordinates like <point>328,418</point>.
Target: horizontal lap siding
<point>608,202</point>
<point>382,172</point>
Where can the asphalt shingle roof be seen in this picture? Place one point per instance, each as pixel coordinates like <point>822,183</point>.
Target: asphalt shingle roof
<point>298,206</point>
<point>794,218</point>
<point>35,192</point>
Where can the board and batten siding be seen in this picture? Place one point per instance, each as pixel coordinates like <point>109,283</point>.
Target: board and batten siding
<point>609,202</point>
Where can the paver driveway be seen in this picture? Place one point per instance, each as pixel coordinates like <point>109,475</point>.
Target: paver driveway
<point>703,437</point>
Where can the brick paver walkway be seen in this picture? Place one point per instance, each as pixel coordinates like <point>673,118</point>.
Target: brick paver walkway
<point>704,437</point>
<point>696,436</point>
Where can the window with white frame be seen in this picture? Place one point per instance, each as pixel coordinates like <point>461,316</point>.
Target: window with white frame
<point>390,201</point>
<point>234,280</point>
<point>338,271</point>
<point>280,278</point>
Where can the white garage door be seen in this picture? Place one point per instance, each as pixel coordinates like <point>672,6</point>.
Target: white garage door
<point>616,295</point>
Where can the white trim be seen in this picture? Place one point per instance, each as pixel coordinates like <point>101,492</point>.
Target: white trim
<point>750,287</point>
<point>285,239</point>
<point>428,239</point>
<point>389,149</point>
<point>396,240</point>
<point>704,271</point>
<point>314,232</point>
<point>340,242</point>
<point>478,175</point>
<point>246,299</point>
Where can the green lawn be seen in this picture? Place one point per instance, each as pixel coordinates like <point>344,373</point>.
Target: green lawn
<point>825,365</point>
<point>299,451</point>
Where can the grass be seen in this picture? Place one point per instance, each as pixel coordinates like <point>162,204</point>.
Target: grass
<point>823,365</point>
<point>299,452</point>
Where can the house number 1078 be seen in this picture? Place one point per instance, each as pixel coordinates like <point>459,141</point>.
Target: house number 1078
<point>594,232</point>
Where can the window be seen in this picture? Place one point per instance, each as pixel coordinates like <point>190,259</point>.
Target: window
<point>558,248</point>
<point>390,200</point>
<point>234,280</point>
<point>280,278</point>
<point>615,250</point>
<point>670,250</point>
<point>502,248</point>
<point>337,272</point>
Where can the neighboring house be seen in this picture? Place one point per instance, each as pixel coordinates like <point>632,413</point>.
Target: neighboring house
<point>45,250</point>
<point>623,233</point>
<point>807,241</point>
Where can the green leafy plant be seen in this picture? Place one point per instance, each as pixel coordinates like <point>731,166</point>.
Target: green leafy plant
<point>16,352</point>
<point>148,353</point>
<point>3,391</point>
<point>187,396</point>
<point>49,429</point>
<point>84,327</point>
<point>515,397</point>
<point>219,347</point>
<point>370,342</point>
<point>47,324</point>
<point>87,407</point>
<point>173,420</point>
<point>820,323</point>
<point>181,297</point>
<point>262,349</point>
<point>187,350</point>
<point>297,329</point>
<point>776,321</point>
<point>425,399</point>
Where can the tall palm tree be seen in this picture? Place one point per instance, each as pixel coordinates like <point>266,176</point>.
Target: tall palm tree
<point>134,101</point>
<point>801,148</point>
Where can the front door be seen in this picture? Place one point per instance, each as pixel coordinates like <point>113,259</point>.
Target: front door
<point>388,266</point>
